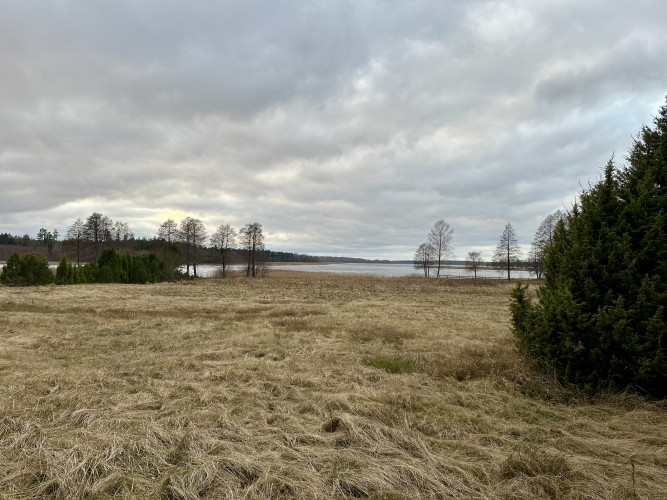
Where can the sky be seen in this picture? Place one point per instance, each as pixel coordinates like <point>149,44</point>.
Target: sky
<point>343,127</point>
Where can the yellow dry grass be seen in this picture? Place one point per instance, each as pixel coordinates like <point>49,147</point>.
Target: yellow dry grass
<point>300,385</point>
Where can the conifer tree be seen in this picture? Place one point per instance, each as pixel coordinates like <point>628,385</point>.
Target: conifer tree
<point>600,320</point>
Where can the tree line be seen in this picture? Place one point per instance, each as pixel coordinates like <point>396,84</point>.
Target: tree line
<point>438,248</point>
<point>86,239</point>
<point>184,243</point>
<point>175,244</point>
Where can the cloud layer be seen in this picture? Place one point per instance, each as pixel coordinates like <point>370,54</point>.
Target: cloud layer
<point>343,127</point>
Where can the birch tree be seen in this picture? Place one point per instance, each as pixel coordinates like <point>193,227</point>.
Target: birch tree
<point>424,258</point>
<point>440,240</point>
<point>473,261</point>
<point>75,237</point>
<point>252,241</point>
<point>192,234</point>
<point>224,240</point>
<point>508,252</point>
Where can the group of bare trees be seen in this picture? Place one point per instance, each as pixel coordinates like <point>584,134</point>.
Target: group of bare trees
<point>177,243</point>
<point>251,240</point>
<point>192,236</point>
<point>224,240</point>
<point>507,256</point>
<point>87,239</point>
<point>544,238</point>
<point>436,249</point>
<point>508,253</point>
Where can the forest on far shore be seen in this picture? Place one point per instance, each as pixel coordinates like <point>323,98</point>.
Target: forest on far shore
<point>53,251</point>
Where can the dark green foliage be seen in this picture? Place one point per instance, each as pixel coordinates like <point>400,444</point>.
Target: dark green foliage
<point>11,272</point>
<point>143,245</point>
<point>27,270</point>
<point>8,239</point>
<point>289,257</point>
<point>88,273</point>
<point>600,320</point>
<point>147,268</point>
<point>64,272</point>
<point>35,270</point>
<point>114,267</point>
<point>521,309</point>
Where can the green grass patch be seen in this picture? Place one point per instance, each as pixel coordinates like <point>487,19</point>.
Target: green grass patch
<point>393,365</point>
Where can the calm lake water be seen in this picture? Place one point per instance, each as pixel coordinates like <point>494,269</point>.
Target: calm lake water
<point>390,270</point>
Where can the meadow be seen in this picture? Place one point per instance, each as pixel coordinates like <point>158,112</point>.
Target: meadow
<point>301,385</point>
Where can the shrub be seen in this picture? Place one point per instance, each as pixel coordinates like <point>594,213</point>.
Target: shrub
<point>11,272</point>
<point>29,270</point>
<point>113,267</point>
<point>88,273</point>
<point>64,273</point>
<point>600,320</point>
<point>147,269</point>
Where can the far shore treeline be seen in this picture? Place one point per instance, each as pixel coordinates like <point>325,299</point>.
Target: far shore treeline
<point>99,250</point>
<point>53,251</point>
<point>188,244</point>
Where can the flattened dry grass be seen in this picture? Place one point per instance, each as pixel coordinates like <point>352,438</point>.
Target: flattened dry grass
<point>300,385</point>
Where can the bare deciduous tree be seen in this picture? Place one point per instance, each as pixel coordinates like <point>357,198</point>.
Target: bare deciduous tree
<point>474,261</point>
<point>121,232</point>
<point>542,241</point>
<point>192,234</point>
<point>508,252</point>
<point>224,240</point>
<point>440,239</point>
<point>424,258</point>
<point>168,231</point>
<point>252,241</point>
<point>74,238</point>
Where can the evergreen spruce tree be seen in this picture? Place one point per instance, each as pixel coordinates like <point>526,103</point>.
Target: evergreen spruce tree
<point>600,319</point>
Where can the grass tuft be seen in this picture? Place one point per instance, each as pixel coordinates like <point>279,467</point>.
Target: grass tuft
<point>535,463</point>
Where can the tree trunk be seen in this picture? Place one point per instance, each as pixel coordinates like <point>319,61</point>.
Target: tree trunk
<point>508,260</point>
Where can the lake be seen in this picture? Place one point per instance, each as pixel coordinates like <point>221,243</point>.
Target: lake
<point>389,270</point>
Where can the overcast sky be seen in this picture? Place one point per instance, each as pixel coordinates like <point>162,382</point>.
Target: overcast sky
<point>343,127</point>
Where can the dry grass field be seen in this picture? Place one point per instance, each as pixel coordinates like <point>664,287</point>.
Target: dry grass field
<point>301,385</point>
